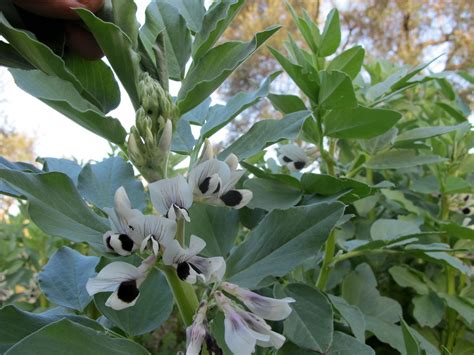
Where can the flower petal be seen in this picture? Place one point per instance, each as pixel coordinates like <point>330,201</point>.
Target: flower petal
<point>236,198</point>
<point>111,276</point>
<point>213,269</point>
<point>164,193</point>
<point>163,229</point>
<point>120,243</point>
<point>123,297</point>
<point>207,169</point>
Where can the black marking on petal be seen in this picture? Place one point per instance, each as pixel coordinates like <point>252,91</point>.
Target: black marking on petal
<point>183,270</point>
<point>128,291</point>
<point>466,210</point>
<point>466,198</point>
<point>217,188</point>
<point>195,268</point>
<point>232,198</point>
<point>107,242</point>
<point>127,242</point>
<point>299,165</point>
<point>286,159</point>
<point>204,185</point>
<point>131,228</point>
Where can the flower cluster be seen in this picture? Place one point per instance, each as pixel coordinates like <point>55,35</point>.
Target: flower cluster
<point>209,181</point>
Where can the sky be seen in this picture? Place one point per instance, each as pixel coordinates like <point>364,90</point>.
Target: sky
<point>56,135</point>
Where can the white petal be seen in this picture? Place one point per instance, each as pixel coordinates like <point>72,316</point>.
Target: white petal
<point>162,228</point>
<point>213,269</point>
<point>185,214</point>
<point>238,336</point>
<point>232,161</point>
<point>116,303</point>
<point>237,198</point>
<point>195,335</point>
<point>172,253</point>
<point>207,169</point>
<point>122,203</point>
<point>266,307</point>
<point>164,193</point>
<point>207,152</point>
<point>196,245</point>
<point>234,178</point>
<point>172,213</point>
<point>293,152</point>
<point>116,242</point>
<point>111,276</point>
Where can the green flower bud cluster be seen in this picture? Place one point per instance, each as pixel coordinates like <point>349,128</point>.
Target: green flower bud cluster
<point>149,141</point>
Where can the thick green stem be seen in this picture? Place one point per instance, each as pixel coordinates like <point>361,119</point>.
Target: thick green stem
<point>326,266</point>
<point>330,160</point>
<point>184,295</point>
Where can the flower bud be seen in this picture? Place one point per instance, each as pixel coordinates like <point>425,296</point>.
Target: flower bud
<point>166,137</point>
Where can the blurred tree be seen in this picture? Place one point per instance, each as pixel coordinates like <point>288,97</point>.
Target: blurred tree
<point>403,31</point>
<point>409,31</point>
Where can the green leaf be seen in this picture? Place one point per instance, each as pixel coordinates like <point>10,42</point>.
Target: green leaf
<point>307,28</point>
<point>220,115</point>
<point>192,11</point>
<point>286,103</point>
<point>310,324</point>
<point>298,231</point>
<point>351,314</point>
<point>68,167</point>
<point>344,344</point>
<point>336,91</point>
<point>331,36</point>
<point>56,207</point>
<point>452,111</point>
<point>272,194</point>
<point>98,183</point>
<point>218,226</point>
<point>16,324</point>
<point>163,17</point>
<point>124,16</point>
<point>405,277</point>
<point>463,306</point>
<point>9,57</point>
<point>215,66</point>
<point>360,122</point>
<point>119,51</point>
<point>97,78</point>
<point>327,185</point>
<point>399,159</point>
<point>425,133</point>
<point>198,114</point>
<point>152,309</point>
<point>457,230</point>
<point>387,229</point>
<point>183,140</point>
<point>307,82</point>
<point>63,97</point>
<point>349,62</point>
<point>63,279</point>
<point>65,337</point>
<point>379,143</point>
<point>412,344</point>
<point>215,21</point>
<point>428,310</point>
<point>359,288</point>
<point>265,133</point>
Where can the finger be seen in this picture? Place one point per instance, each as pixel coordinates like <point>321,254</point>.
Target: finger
<point>59,8</point>
<point>81,42</point>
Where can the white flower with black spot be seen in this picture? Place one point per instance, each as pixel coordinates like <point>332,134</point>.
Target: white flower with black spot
<point>172,197</point>
<point>123,280</point>
<point>189,266</point>
<point>293,157</point>
<point>120,238</point>
<point>213,181</point>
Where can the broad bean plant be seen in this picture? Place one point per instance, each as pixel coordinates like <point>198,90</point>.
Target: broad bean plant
<point>343,226</point>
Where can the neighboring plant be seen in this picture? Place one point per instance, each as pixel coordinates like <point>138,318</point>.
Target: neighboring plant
<point>306,250</point>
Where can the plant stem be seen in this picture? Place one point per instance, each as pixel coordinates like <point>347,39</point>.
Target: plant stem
<point>328,257</point>
<point>330,160</point>
<point>353,254</point>
<point>184,294</point>
<point>180,231</point>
